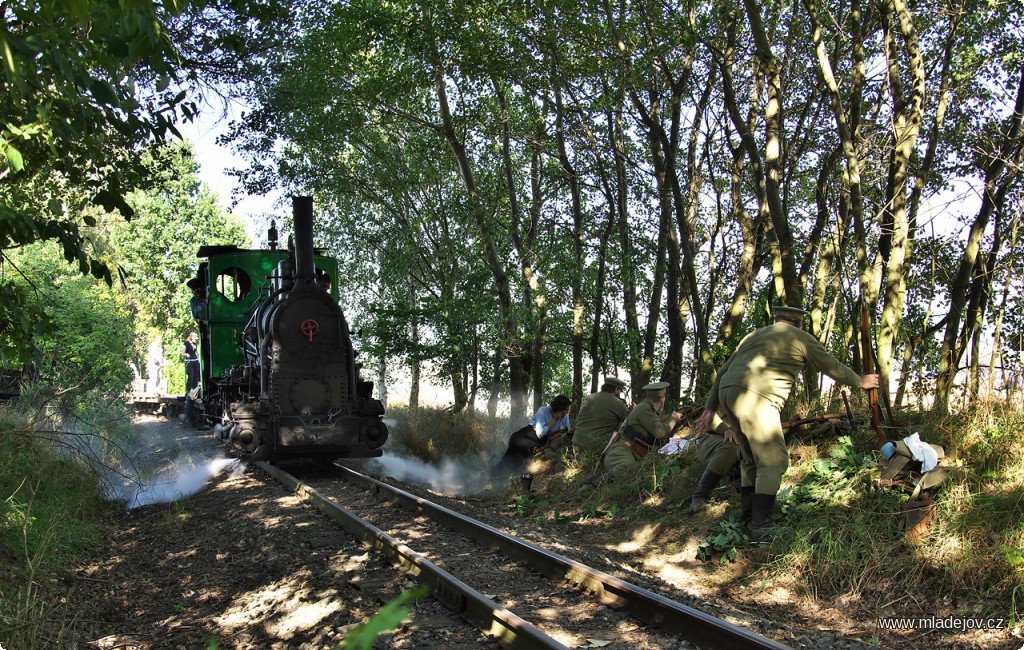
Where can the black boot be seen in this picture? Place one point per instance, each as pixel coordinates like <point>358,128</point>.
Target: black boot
<point>762,521</point>
<point>708,481</point>
<point>746,504</point>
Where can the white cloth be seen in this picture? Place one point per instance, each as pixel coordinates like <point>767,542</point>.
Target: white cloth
<point>922,452</point>
<point>674,446</point>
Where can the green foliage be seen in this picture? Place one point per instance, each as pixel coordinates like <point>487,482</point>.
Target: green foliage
<point>725,537</point>
<point>84,87</point>
<point>22,320</point>
<point>50,503</point>
<point>71,84</point>
<point>157,249</point>
<point>388,618</point>
<point>87,332</point>
<point>833,480</point>
<point>663,473</point>
<point>521,504</point>
<point>88,345</point>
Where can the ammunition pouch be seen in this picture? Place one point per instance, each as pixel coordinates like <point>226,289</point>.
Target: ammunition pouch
<point>639,442</point>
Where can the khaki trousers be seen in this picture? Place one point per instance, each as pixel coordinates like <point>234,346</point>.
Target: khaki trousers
<point>763,454</point>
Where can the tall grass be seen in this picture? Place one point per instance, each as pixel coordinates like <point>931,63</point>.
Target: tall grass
<point>842,535</point>
<point>49,508</point>
<point>433,435</point>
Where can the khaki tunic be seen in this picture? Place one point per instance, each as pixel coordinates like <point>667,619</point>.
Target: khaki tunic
<point>644,417</point>
<point>752,387</point>
<point>599,417</point>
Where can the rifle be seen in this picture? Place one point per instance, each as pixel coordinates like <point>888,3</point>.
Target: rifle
<point>687,413</point>
<point>815,418</point>
<point>867,354</point>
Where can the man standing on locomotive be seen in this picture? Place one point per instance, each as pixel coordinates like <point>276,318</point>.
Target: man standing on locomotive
<point>197,304</point>
<point>191,357</point>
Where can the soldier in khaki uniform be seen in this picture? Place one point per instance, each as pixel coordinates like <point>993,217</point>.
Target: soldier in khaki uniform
<point>600,417</point>
<point>749,392</point>
<point>718,451</point>
<point>642,428</point>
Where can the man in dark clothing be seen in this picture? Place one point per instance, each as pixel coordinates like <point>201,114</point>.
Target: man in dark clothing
<point>197,303</point>
<point>548,423</point>
<point>199,306</point>
<point>192,374</point>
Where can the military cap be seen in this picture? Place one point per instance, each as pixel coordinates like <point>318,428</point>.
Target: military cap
<point>789,313</point>
<point>656,387</point>
<point>615,381</point>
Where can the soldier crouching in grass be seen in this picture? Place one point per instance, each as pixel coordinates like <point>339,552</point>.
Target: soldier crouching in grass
<point>719,452</point>
<point>643,427</point>
<point>600,416</point>
<point>749,392</point>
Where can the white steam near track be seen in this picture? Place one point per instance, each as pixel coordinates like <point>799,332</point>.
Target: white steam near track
<point>449,478</point>
<point>159,462</point>
<point>177,480</point>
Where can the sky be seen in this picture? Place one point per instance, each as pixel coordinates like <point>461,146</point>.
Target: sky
<point>214,162</point>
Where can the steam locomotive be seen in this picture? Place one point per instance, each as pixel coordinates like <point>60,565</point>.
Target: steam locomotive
<point>279,370</point>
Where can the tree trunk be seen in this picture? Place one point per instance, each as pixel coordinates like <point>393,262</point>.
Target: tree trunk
<point>495,392</point>
<point>997,336</point>
<point>787,285</point>
<point>414,362</point>
<point>907,127</point>
<point>382,382</point>
<point>599,360</point>
<point>503,289</point>
<point>576,278</point>
<point>996,185</point>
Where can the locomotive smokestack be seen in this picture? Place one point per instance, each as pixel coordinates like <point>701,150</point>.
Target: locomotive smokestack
<point>302,214</point>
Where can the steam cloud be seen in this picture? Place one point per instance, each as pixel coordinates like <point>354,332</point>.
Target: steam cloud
<point>452,478</point>
<point>176,481</point>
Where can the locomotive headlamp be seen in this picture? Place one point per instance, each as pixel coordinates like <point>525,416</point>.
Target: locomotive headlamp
<point>374,433</point>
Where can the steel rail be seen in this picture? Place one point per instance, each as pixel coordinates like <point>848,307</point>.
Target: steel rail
<point>652,608</point>
<point>505,626</point>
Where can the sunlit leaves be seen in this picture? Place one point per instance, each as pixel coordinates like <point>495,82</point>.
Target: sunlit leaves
<point>388,618</point>
<point>77,108</point>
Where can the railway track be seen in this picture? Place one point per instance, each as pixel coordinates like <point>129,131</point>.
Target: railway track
<point>522,595</point>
